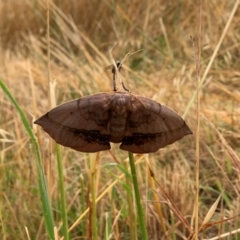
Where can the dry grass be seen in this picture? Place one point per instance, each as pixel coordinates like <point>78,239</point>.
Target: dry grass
<point>82,32</point>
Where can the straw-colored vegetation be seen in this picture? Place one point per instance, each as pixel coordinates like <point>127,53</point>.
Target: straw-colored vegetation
<point>82,32</point>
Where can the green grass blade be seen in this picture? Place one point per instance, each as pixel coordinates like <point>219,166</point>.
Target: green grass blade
<point>94,225</point>
<point>62,193</point>
<point>137,197</point>
<point>47,212</point>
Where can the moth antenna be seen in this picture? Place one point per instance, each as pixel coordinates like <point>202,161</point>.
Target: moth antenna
<point>117,66</point>
<point>130,54</point>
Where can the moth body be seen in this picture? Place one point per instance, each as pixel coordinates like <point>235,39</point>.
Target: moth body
<point>88,124</point>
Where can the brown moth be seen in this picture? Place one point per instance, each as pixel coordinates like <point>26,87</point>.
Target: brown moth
<point>90,123</point>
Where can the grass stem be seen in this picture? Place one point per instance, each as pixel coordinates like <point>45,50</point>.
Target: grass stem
<point>137,197</point>
<point>62,192</point>
<point>93,232</point>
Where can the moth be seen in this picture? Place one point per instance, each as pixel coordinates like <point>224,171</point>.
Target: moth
<point>89,124</point>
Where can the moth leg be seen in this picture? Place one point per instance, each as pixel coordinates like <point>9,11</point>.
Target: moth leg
<point>114,72</point>
<point>125,87</point>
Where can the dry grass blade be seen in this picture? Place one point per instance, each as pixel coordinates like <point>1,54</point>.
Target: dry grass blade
<point>235,7</point>
<point>27,232</point>
<point>224,235</point>
<point>210,212</point>
<point>210,224</point>
<point>111,185</point>
<point>56,233</point>
<point>231,152</point>
<point>171,204</point>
